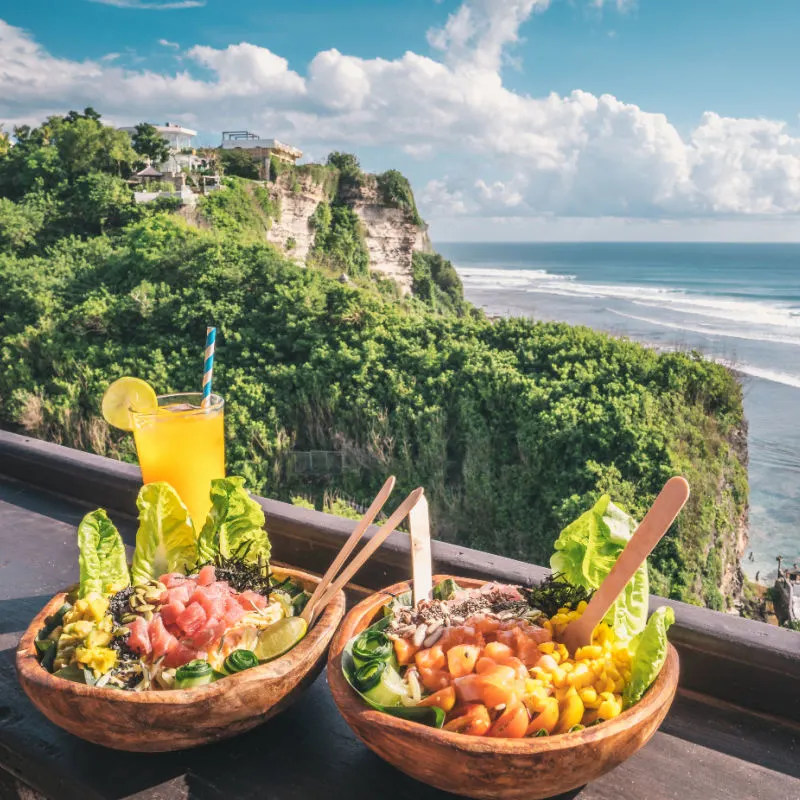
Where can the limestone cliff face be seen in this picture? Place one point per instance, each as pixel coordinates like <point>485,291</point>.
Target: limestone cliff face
<point>298,200</point>
<point>391,237</point>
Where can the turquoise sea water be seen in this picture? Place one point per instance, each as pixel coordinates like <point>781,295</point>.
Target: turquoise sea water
<point>737,303</point>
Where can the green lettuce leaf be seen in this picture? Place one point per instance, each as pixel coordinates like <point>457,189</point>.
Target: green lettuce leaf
<point>165,541</point>
<point>586,551</point>
<point>235,524</point>
<point>103,564</point>
<point>649,654</point>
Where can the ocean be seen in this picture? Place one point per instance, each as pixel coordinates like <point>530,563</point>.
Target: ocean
<point>737,303</point>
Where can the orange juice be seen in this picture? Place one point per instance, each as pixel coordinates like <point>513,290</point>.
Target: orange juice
<point>184,445</point>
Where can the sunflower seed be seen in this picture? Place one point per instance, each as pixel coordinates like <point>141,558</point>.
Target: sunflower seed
<point>434,637</point>
<point>419,635</point>
<point>153,595</point>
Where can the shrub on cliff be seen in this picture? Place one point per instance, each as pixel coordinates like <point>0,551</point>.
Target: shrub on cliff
<point>395,190</point>
<point>436,282</point>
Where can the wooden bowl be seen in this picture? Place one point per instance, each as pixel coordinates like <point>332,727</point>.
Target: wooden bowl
<point>156,721</point>
<point>478,767</point>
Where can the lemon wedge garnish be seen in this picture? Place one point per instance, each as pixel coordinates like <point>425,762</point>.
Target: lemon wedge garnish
<point>126,395</point>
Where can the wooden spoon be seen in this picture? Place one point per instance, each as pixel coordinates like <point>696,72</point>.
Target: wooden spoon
<point>651,529</point>
<point>347,548</point>
<point>421,568</point>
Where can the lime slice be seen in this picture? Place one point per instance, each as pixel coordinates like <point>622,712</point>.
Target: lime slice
<point>280,638</point>
<point>126,395</point>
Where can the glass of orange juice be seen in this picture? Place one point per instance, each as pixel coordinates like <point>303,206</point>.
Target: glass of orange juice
<point>183,443</point>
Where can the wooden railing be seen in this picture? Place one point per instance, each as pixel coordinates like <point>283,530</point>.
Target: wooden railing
<point>748,663</point>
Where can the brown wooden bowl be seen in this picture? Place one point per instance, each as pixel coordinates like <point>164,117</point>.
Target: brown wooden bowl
<point>156,721</point>
<point>478,767</point>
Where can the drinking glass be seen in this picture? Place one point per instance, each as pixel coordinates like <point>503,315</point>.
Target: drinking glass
<point>183,444</point>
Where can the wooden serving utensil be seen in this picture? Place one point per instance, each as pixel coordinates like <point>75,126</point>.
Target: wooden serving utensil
<point>355,565</point>
<point>347,548</point>
<point>421,567</point>
<point>651,529</point>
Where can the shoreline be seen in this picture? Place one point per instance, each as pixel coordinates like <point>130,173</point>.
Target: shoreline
<point>740,439</point>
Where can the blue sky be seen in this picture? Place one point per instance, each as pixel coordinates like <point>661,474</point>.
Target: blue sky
<point>625,147</point>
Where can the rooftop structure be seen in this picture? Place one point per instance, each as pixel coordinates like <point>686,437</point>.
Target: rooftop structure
<point>262,148</point>
<point>178,137</point>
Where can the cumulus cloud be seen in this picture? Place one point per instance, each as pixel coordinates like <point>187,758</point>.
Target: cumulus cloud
<point>168,43</point>
<point>443,201</point>
<point>507,154</point>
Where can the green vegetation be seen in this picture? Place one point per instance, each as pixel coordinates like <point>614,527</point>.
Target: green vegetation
<point>242,208</point>
<point>513,427</point>
<point>436,282</point>
<point>395,190</point>
<point>148,142</point>
<point>239,163</point>
<point>339,243</point>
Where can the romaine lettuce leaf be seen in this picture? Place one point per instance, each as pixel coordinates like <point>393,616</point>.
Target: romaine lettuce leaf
<point>165,541</point>
<point>649,654</point>
<point>235,524</point>
<point>586,551</point>
<point>103,564</point>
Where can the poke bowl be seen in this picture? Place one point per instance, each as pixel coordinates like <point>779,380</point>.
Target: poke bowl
<point>483,767</point>
<point>207,650</point>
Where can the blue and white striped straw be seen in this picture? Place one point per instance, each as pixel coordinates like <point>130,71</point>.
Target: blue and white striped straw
<point>208,366</point>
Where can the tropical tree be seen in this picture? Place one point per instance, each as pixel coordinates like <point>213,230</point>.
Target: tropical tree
<point>148,142</point>
<point>239,162</point>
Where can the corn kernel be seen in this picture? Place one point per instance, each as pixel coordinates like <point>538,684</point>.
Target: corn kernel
<point>581,676</point>
<point>581,607</point>
<point>589,697</point>
<point>589,651</point>
<point>547,648</point>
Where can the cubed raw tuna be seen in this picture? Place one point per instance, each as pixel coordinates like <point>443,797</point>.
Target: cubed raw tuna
<point>171,612</point>
<point>249,599</point>
<point>192,619</point>
<point>206,576</point>
<point>139,639</point>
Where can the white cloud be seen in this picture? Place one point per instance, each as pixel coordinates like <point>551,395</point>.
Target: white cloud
<point>442,201</point>
<point>168,43</point>
<point>152,6</point>
<point>507,154</point>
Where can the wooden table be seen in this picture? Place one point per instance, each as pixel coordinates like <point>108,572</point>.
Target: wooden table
<point>707,749</point>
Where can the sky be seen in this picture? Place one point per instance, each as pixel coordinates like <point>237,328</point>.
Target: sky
<point>515,120</point>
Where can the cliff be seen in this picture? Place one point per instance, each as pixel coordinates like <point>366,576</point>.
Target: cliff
<point>390,235</point>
